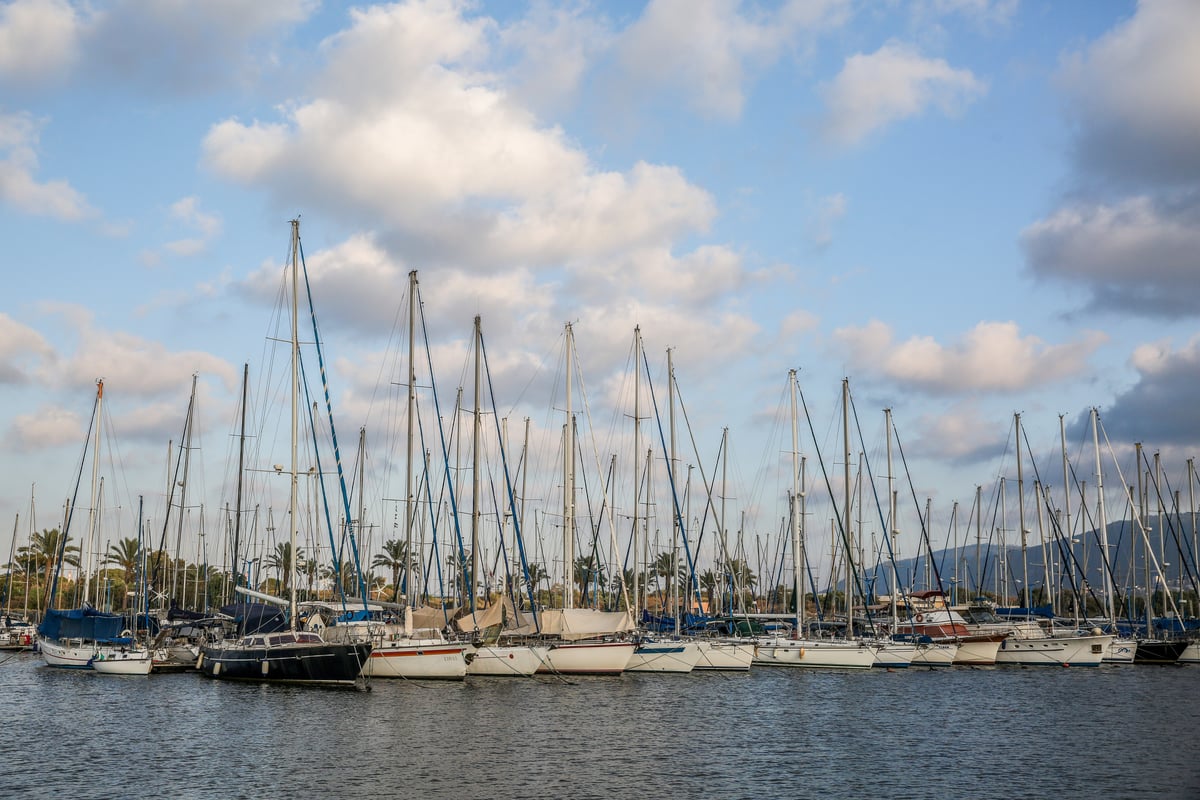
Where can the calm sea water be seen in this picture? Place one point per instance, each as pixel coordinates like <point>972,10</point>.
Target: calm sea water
<point>1115,732</point>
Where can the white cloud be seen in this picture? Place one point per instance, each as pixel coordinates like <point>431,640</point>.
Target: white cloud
<point>555,46</point>
<point>893,83</point>
<point>993,356</point>
<point>961,433</point>
<point>20,344</point>
<point>437,157</point>
<point>1135,94</point>
<point>38,40</point>
<point>49,426</point>
<point>19,136</point>
<point>1133,255</point>
<point>710,49</point>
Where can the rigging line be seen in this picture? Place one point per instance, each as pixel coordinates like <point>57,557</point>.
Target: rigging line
<point>61,549</point>
<point>442,437</point>
<point>708,487</point>
<point>694,585</point>
<point>845,535</point>
<point>337,453</point>
<point>1137,517</point>
<point>508,484</point>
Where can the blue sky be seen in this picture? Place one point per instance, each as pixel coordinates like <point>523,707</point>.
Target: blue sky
<point>969,208</point>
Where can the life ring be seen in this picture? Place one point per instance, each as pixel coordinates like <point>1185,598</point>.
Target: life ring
<point>920,617</point>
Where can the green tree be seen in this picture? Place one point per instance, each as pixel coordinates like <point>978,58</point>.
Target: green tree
<point>281,561</point>
<point>395,558</point>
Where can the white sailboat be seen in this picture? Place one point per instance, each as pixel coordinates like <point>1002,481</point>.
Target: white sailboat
<point>783,651</point>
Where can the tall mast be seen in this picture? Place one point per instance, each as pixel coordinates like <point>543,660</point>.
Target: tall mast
<point>475,502</point>
<point>410,502</point>
<point>186,446</point>
<point>1109,610</point>
<point>1021,515</point>
<point>93,520</point>
<point>569,486</point>
<point>637,480</point>
<point>676,529</point>
<point>847,530</point>
<point>293,502</point>
<point>892,531</point>
<point>794,503</point>
<point>237,518</point>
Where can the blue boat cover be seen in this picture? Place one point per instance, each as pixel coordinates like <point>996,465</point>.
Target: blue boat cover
<point>82,623</point>
<point>254,618</point>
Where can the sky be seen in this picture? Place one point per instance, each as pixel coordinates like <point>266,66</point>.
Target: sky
<point>970,209</point>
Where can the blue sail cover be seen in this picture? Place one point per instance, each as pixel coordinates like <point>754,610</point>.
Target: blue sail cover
<point>82,623</point>
<point>254,618</point>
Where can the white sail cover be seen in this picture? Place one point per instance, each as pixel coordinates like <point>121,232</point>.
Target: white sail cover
<point>583,623</point>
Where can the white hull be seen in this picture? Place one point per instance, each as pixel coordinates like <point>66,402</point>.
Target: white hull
<point>418,659</point>
<point>69,654</point>
<point>814,653</point>
<point>727,656</point>
<point>893,655</point>
<point>935,654</point>
<point>123,662</point>
<point>505,661</point>
<point>1191,654</point>
<point>669,656</point>
<point>1066,651</point>
<point>977,653</point>
<point>588,658</point>
<point>1120,651</point>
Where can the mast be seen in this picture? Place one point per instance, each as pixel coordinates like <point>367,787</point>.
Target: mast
<point>187,458</point>
<point>797,562</point>
<point>676,530</point>
<point>1021,516</point>
<point>847,530</point>
<point>1109,610</point>
<point>637,482</point>
<point>293,502</point>
<point>93,522</point>
<point>410,501</point>
<point>892,530</point>
<point>569,486</point>
<point>475,502</point>
<point>237,519</point>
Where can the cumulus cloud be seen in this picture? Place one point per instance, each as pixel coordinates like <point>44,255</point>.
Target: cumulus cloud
<point>19,188</point>
<point>130,364</point>
<point>1134,95</point>
<point>555,47</point>
<point>709,50</point>
<point>38,39</point>
<point>961,433</point>
<point>49,426</point>
<point>439,160</point>
<point>19,345</point>
<point>993,356</point>
<point>894,83</point>
<point>1160,407</point>
<point>1134,255</point>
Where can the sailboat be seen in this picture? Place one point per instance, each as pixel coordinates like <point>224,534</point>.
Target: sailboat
<point>70,638</point>
<point>136,657</point>
<point>798,650</point>
<point>579,640</point>
<point>289,655</point>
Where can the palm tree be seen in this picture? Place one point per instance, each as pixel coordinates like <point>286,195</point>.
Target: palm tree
<point>535,575</point>
<point>709,582</point>
<point>586,571</point>
<point>281,560</point>
<point>394,557</point>
<point>744,581</point>
<point>125,554</point>
<point>42,553</point>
